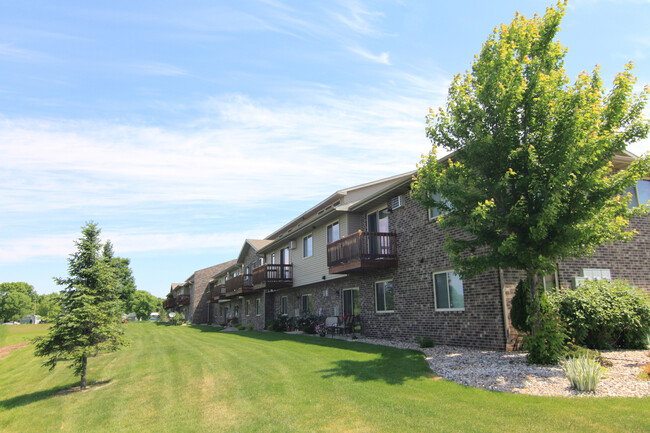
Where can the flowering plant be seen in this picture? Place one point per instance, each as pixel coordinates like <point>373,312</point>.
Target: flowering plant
<point>322,329</point>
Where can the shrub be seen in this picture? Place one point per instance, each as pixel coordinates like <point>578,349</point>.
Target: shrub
<point>239,326</point>
<point>645,372</point>
<point>546,346</point>
<point>177,320</point>
<point>307,324</point>
<point>572,350</point>
<point>520,309</point>
<point>605,314</point>
<point>426,342</point>
<point>583,372</point>
<point>249,327</point>
<point>282,323</point>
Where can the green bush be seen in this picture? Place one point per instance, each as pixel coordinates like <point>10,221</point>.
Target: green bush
<point>177,320</point>
<point>249,327</point>
<point>583,372</point>
<point>605,314</point>
<point>520,307</point>
<point>426,342</point>
<point>239,326</point>
<point>546,345</point>
<point>282,323</point>
<point>572,350</point>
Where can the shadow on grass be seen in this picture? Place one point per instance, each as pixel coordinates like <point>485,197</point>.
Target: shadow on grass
<point>33,397</point>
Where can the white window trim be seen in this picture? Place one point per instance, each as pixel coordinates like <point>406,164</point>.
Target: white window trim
<point>433,218</point>
<point>374,287</point>
<point>309,296</point>
<point>435,304</point>
<point>285,312</point>
<point>312,246</point>
<point>248,307</point>
<point>327,226</point>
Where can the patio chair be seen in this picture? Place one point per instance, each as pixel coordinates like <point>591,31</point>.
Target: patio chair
<point>332,324</point>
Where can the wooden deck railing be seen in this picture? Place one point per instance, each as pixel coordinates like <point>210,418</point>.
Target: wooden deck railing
<point>272,276</point>
<point>217,291</point>
<point>183,300</point>
<point>362,249</point>
<point>239,284</point>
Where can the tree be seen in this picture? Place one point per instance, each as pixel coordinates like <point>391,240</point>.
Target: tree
<point>49,306</point>
<point>144,303</point>
<point>89,322</point>
<point>530,181</point>
<point>125,280</point>
<point>16,300</point>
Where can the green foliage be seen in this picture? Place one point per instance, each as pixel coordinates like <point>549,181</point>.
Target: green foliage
<point>250,327</point>
<point>583,372</point>
<point>572,350</point>
<point>16,301</point>
<point>426,342</point>
<point>177,320</point>
<point>282,323</point>
<point>239,326</point>
<point>307,324</point>
<point>520,310</point>
<point>546,345</point>
<point>49,306</point>
<point>605,314</point>
<point>144,303</point>
<point>89,322</point>
<point>124,278</point>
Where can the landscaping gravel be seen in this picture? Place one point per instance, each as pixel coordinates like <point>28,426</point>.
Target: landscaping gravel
<point>509,372</point>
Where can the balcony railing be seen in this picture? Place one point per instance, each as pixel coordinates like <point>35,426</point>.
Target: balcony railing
<point>169,303</point>
<point>217,292</point>
<point>271,276</point>
<point>239,285</point>
<point>183,300</point>
<point>362,250</point>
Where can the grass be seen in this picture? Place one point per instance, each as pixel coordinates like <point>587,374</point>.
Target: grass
<point>192,379</point>
<point>15,334</point>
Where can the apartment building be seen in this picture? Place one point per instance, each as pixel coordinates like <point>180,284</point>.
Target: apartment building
<point>372,252</point>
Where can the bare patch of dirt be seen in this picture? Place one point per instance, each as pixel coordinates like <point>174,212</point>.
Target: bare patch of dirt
<point>91,387</point>
<point>6,350</point>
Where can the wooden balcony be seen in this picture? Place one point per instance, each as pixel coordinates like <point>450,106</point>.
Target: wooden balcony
<point>239,285</point>
<point>183,300</point>
<point>272,276</point>
<point>217,292</point>
<point>169,303</point>
<point>361,251</point>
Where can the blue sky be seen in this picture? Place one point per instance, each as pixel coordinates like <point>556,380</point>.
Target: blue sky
<point>183,128</point>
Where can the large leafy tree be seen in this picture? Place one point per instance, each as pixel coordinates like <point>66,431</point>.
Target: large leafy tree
<point>530,180</point>
<point>144,303</point>
<point>49,306</point>
<point>124,277</point>
<point>89,322</point>
<point>16,300</point>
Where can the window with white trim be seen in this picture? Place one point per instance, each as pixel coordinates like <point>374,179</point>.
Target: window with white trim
<point>448,291</point>
<point>248,307</point>
<point>258,306</point>
<point>307,246</point>
<point>284,305</point>
<point>434,212</point>
<point>384,296</point>
<point>333,232</point>
<point>306,304</point>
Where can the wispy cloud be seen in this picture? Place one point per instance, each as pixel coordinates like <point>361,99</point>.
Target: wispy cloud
<point>377,58</point>
<point>157,68</point>
<point>9,51</point>
<point>358,19</point>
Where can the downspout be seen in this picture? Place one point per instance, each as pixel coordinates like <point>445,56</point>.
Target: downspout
<point>506,329</point>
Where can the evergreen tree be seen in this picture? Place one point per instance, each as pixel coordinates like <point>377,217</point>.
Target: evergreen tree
<point>89,322</point>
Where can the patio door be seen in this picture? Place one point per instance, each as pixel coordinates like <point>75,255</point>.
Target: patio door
<point>285,259</point>
<point>351,302</point>
<point>378,223</point>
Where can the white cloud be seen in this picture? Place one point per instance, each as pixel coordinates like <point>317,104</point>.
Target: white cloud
<point>9,51</point>
<point>358,19</point>
<point>377,58</point>
<point>157,68</point>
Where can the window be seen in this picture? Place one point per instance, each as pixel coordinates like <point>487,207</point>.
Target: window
<point>236,311</point>
<point>550,282</point>
<point>258,306</point>
<point>273,259</point>
<point>351,302</point>
<point>307,246</point>
<point>384,296</point>
<point>640,193</point>
<point>306,304</point>
<point>434,212</point>
<point>261,261</point>
<point>248,308</point>
<point>284,305</point>
<point>448,291</point>
<point>333,232</point>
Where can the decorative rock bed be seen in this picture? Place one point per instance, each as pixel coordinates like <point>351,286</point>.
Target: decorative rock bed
<point>509,372</point>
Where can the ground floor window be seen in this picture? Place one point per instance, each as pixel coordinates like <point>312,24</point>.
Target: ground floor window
<point>351,302</point>
<point>306,304</point>
<point>236,311</point>
<point>258,306</point>
<point>384,298</point>
<point>448,291</point>
<point>248,307</point>
<point>284,305</point>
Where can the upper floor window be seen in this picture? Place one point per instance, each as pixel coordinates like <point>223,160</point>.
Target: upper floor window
<point>448,291</point>
<point>434,212</point>
<point>640,193</point>
<point>307,246</point>
<point>333,232</point>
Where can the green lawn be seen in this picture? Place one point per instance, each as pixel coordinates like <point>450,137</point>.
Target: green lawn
<point>190,379</point>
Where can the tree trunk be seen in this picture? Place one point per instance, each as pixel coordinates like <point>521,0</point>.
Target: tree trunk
<point>84,365</point>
